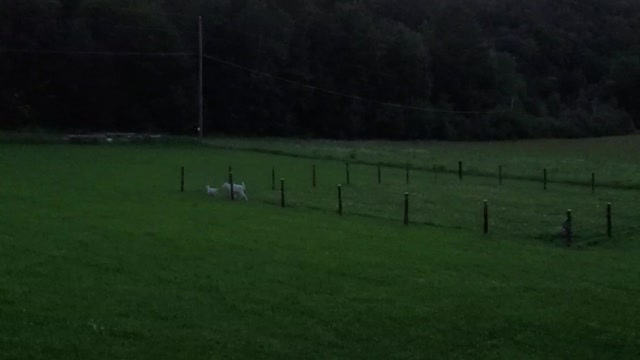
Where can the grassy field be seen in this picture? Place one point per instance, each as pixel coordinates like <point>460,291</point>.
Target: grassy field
<point>613,159</point>
<point>101,256</point>
<point>520,208</point>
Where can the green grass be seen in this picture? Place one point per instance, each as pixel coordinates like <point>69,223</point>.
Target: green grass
<point>613,159</point>
<point>103,257</point>
<point>520,210</point>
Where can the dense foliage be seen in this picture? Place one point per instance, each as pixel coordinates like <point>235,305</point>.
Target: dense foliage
<point>522,68</point>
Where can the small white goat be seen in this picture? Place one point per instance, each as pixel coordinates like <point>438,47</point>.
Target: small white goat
<point>238,190</point>
<point>212,191</point>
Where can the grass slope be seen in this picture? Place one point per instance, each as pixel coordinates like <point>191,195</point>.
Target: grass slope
<point>102,257</point>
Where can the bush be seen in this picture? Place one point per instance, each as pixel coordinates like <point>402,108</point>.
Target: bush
<point>608,120</point>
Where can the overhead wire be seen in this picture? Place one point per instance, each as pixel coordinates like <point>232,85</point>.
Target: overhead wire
<point>342,94</point>
<point>96,53</point>
<point>241,67</point>
<point>228,63</point>
<point>141,11</point>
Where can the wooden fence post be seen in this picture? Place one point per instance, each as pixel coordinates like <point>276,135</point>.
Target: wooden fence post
<point>340,199</point>
<point>182,179</point>
<point>569,228</point>
<point>273,178</point>
<point>406,208</point>
<point>486,217</point>
<point>609,220</point>
<point>231,184</point>
<point>282,193</point>
<point>348,174</point>
<point>407,174</point>
<point>314,175</point>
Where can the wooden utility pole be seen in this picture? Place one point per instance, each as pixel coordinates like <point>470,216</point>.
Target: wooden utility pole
<point>200,82</point>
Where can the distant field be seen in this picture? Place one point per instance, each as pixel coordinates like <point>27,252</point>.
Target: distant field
<point>520,208</point>
<point>101,255</point>
<point>614,159</point>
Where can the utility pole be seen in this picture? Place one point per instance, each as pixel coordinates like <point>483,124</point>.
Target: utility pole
<point>200,96</point>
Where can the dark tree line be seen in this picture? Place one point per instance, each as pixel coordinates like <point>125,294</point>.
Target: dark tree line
<point>493,69</point>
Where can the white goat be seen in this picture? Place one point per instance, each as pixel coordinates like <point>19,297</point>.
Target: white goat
<point>212,191</point>
<point>238,190</point>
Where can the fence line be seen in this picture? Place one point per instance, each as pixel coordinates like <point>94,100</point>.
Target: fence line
<point>546,224</point>
<point>437,169</point>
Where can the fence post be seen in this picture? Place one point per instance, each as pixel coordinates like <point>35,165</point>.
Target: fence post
<point>406,208</point>
<point>593,183</point>
<point>500,175</point>
<point>339,199</point>
<point>273,178</point>
<point>460,170</point>
<point>182,179</point>
<point>348,174</point>
<point>486,217</point>
<point>282,193</point>
<point>407,174</point>
<point>314,175</point>
<point>569,228</point>
<point>544,178</point>
<point>231,184</point>
<point>609,220</point>
<point>379,174</point>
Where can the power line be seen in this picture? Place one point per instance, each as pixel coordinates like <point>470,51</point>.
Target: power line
<point>141,11</point>
<point>142,29</point>
<point>344,95</point>
<point>96,53</point>
<point>152,28</point>
<point>231,64</point>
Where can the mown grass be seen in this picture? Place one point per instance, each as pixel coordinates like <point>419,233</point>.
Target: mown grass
<point>520,210</point>
<point>567,161</point>
<point>103,257</point>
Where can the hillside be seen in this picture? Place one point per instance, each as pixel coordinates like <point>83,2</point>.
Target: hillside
<point>336,69</point>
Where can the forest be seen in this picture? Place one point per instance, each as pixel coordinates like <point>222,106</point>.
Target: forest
<point>358,69</point>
